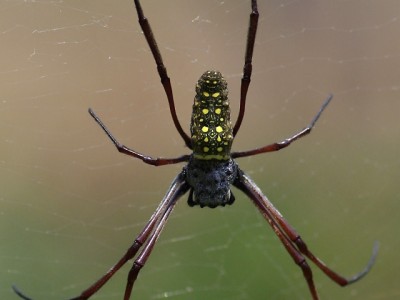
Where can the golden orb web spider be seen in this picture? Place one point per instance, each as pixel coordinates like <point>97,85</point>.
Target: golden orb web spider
<point>210,170</point>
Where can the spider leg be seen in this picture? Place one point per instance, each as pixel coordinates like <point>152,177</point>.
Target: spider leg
<point>190,200</point>
<point>148,248</point>
<point>176,190</point>
<point>157,221</point>
<point>283,144</point>
<point>123,149</point>
<point>246,185</point>
<point>248,67</point>
<point>20,294</point>
<point>289,237</point>
<point>162,70</point>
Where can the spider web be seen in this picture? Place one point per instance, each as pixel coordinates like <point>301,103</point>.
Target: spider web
<point>70,204</point>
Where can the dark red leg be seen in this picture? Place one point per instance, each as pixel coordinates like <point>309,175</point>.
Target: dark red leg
<point>123,149</point>
<point>147,236</point>
<point>248,67</point>
<point>278,146</point>
<point>162,70</point>
<point>290,238</point>
<point>176,190</point>
<point>145,253</point>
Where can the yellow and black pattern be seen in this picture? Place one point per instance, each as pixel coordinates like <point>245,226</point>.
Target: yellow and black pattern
<point>211,126</point>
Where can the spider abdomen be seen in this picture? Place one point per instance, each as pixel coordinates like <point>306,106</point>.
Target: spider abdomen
<point>211,127</point>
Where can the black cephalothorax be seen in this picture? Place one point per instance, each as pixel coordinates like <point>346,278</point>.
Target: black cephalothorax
<point>210,181</point>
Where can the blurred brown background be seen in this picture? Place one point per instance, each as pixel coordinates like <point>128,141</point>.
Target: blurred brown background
<point>70,204</point>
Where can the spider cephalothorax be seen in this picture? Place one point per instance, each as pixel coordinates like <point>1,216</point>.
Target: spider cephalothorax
<point>210,181</point>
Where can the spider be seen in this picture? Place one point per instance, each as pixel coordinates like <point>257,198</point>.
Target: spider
<point>211,169</point>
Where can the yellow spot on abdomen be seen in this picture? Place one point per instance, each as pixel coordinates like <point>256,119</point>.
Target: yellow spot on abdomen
<point>206,149</point>
<point>218,129</point>
<point>219,149</point>
<point>205,111</point>
<point>218,111</point>
<point>206,94</point>
<point>215,95</point>
<point>205,128</point>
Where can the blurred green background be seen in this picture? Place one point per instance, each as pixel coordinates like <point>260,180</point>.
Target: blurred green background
<point>70,204</point>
